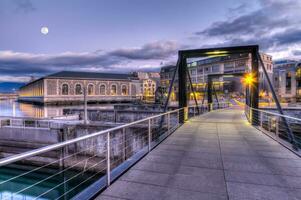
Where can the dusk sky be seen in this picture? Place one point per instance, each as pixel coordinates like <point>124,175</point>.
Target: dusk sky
<point>128,35</point>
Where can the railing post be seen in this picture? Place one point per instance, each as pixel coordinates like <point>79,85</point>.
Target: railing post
<point>269,124</point>
<point>178,117</point>
<point>168,122</point>
<point>108,160</point>
<point>277,127</point>
<point>149,135</point>
<point>261,120</point>
<point>124,144</point>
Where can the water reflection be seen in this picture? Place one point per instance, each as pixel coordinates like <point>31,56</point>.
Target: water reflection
<point>12,108</point>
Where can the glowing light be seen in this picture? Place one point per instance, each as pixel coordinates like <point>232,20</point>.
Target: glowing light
<point>249,79</point>
<point>216,52</point>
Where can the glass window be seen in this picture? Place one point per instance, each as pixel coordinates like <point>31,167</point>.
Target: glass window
<point>78,89</point>
<point>124,90</point>
<point>65,89</point>
<point>102,89</point>
<point>113,90</point>
<point>90,89</point>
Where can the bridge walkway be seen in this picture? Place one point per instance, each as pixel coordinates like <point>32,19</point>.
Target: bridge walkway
<point>215,156</point>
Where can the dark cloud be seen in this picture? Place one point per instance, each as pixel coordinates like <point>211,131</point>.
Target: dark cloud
<point>156,50</point>
<point>274,26</point>
<point>24,5</point>
<point>297,52</point>
<point>125,60</point>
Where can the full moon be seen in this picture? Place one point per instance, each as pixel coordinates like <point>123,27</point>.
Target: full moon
<point>44,30</point>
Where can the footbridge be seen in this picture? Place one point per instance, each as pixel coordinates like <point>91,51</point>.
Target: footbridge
<point>209,150</point>
<point>218,155</point>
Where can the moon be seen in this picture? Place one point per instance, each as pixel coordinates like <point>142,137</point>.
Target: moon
<point>44,30</point>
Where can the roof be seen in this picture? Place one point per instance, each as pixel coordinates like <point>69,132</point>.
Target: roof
<point>86,75</point>
<point>91,75</point>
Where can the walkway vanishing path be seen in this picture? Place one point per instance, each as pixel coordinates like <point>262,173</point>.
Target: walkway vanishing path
<point>215,156</point>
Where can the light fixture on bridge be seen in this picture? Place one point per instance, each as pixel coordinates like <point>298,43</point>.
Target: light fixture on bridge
<point>248,79</point>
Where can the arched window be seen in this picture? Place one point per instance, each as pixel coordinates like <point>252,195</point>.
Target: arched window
<point>65,89</point>
<point>113,89</point>
<point>124,90</point>
<point>78,89</point>
<point>90,89</point>
<point>102,90</point>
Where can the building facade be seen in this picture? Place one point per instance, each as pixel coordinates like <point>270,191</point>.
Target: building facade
<point>68,88</point>
<point>287,80</point>
<point>199,71</point>
<point>149,83</point>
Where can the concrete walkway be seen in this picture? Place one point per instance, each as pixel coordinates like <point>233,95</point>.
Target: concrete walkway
<point>215,156</point>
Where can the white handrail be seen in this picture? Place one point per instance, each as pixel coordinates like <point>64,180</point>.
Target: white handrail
<point>18,157</point>
<point>276,114</point>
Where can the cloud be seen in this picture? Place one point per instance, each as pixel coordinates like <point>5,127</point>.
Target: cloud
<point>156,50</point>
<point>147,57</point>
<point>25,6</point>
<point>274,26</point>
<point>297,52</point>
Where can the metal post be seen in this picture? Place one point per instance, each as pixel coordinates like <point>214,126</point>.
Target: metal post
<point>108,160</point>
<point>209,93</point>
<point>277,127</point>
<point>124,144</point>
<point>178,117</point>
<point>182,81</point>
<point>261,119</point>
<point>149,135</point>
<point>168,122</point>
<point>194,111</point>
<point>85,107</point>
<point>254,88</point>
<point>269,124</point>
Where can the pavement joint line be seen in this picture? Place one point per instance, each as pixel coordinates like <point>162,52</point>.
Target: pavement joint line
<point>176,188</point>
<point>105,195</point>
<point>219,144</point>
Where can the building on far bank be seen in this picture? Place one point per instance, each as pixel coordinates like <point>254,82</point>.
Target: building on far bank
<point>149,83</point>
<point>67,88</point>
<point>200,69</point>
<point>287,80</point>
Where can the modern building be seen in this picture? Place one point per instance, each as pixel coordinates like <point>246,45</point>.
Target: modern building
<point>230,64</point>
<point>68,88</point>
<point>287,80</point>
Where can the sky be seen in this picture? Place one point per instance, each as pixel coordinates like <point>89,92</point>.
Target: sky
<point>129,35</point>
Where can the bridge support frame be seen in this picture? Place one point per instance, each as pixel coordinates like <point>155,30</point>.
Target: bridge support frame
<point>253,96</point>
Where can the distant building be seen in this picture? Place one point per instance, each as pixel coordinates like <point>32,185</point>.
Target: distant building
<point>67,87</point>
<point>199,71</point>
<point>287,80</point>
<point>149,82</point>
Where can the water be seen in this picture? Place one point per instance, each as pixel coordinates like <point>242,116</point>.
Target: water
<point>37,185</point>
<point>12,108</point>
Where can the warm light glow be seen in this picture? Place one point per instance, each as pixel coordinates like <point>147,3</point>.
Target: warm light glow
<point>248,79</point>
<point>216,52</point>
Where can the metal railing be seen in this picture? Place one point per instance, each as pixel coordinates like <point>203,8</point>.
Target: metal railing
<point>65,170</point>
<point>276,126</point>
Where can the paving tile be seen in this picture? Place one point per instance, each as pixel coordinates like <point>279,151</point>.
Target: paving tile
<point>156,167</point>
<point>147,177</point>
<point>253,178</point>
<point>178,194</point>
<point>242,191</point>
<point>135,191</point>
<point>104,197</point>
<point>203,183</point>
